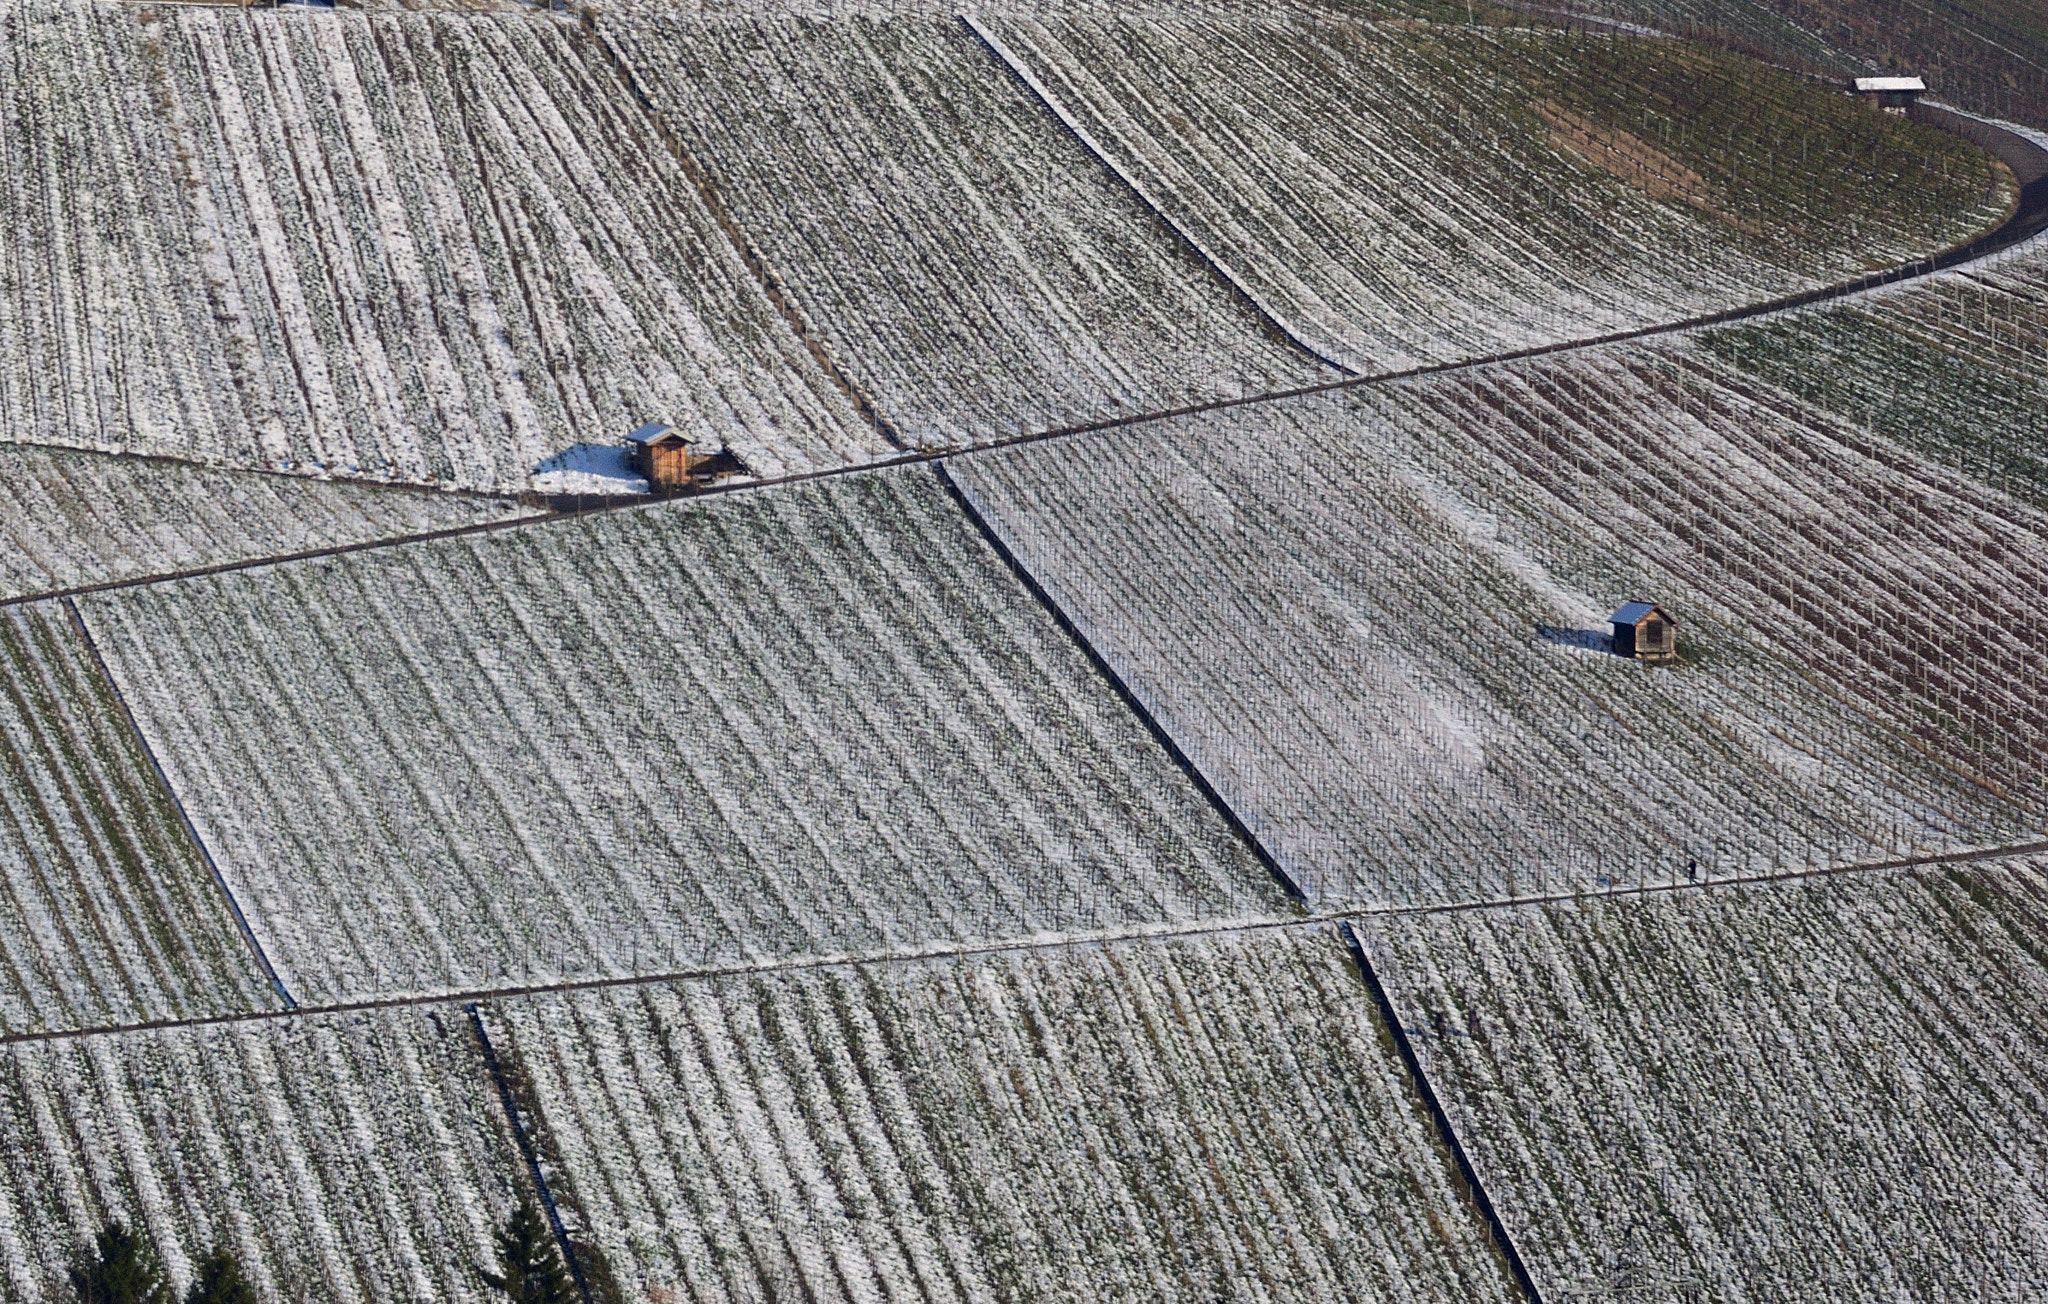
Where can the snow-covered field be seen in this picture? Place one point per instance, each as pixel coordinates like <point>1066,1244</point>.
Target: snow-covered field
<point>939,9</point>
<point>1888,579</point>
<point>1396,196</point>
<point>432,248</point>
<point>819,719</point>
<point>897,956</point>
<point>1827,1090</point>
<point>1334,605</point>
<point>107,913</point>
<point>1954,367</point>
<point>968,262</point>
<point>357,1157</point>
<point>69,518</point>
<point>1165,1120</point>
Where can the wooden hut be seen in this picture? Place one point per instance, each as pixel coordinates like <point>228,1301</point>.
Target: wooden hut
<point>1645,631</point>
<point>672,460</point>
<point>1890,94</point>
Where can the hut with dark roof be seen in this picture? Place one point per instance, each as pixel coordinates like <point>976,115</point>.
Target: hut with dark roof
<point>672,460</point>
<point>1645,631</point>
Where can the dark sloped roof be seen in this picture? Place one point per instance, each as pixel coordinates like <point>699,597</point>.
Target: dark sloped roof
<point>1628,613</point>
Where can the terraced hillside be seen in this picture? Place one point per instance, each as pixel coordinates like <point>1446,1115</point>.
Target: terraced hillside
<point>358,1157</point>
<point>108,915</point>
<point>1790,1092</point>
<point>1394,196</point>
<point>1159,1121</point>
<point>1955,368</point>
<point>441,248</point>
<point>69,519</point>
<point>922,880</point>
<point>1888,579</point>
<point>1360,616</point>
<point>430,248</point>
<point>966,260</point>
<point>815,721</point>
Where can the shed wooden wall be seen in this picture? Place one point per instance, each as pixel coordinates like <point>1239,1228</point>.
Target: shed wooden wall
<point>668,466</point>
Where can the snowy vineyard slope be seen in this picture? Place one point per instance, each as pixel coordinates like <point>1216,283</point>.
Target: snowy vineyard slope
<point>1756,28</point>
<point>70,518</point>
<point>430,248</point>
<point>842,10</point>
<point>1989,56</point>
<point>1395,196</point>
<point>1185,1120</point>
<point>1954,367</point>
<point>1890,581</point>
<point>1333,606</point>
<point>107,913</point>
<point>969,263</point>
<point>822,719</point>
<point>354,1158</point>
<point>1798,1092</point>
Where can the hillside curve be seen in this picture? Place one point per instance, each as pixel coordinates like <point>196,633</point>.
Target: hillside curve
<point>2025,153</point>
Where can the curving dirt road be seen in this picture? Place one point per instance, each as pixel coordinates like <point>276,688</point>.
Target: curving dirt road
<point>2027,157</point>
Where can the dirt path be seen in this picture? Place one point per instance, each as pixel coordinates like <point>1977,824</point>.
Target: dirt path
<point>1207,928</point>
<point>2028,159</point>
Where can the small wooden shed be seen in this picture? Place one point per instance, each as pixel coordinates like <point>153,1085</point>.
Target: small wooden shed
<point>1890,94</point>
<point>672,460</point>
<point>1645,631</point>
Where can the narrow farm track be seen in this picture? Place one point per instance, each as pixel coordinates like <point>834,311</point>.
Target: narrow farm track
<point>2028,219</point>
<point>1157,932</point>
<point>1309,926</point>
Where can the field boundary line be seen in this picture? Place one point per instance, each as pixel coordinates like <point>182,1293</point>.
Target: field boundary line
<point>1088,142</point>
<point>526,1148</point>
<point>164,782</point>
<point>798,964</point>
<point>279,559</point>
<point>1502,1241</point>
<point>1674,888</point>
<point>2029,219</point>
<point>1010,946</point>
<point>1116,682</point>
<point>416,488</point>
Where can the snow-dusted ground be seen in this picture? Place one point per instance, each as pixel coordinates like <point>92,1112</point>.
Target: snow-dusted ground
<point>931,9</point>
<point>590,469</point>
<point>1395,197</point>
<point>1185,1120</point>
<point>107,913</point>
<point>1332,605</point>
<point>825,721</point>
<point>1805,1091</point>
<point>1954,366</point>
<point>972,267</point>
<point>69,518</point>
<point>1889,580</point>
<point>359,1157</point>
<point>430,248</point>
<point>822,719</point>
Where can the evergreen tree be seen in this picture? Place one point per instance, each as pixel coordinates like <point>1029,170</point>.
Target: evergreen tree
<point>220,1281</point>
<point>121,1268</point>
<point>530,1267</point>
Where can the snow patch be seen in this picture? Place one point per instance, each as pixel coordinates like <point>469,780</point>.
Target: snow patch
<point>589,469</point>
